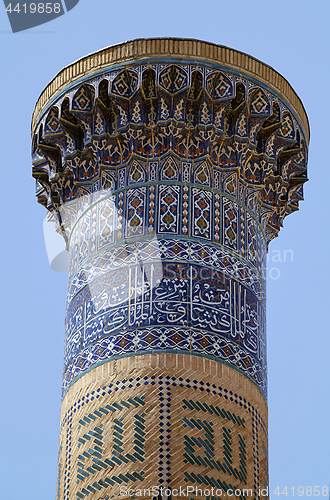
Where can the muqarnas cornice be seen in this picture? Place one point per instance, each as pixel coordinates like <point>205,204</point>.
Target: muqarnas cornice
<point>227,111</point>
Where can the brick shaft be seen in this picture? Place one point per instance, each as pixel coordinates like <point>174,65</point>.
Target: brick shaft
<point>160,420</point>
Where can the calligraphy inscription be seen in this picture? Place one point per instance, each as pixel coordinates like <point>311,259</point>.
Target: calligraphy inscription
<point>112,436</point>
<point>204,448</point>
<point>187,296</point>
<point>101,447</point>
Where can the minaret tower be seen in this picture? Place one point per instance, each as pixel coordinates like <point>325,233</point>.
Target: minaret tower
<point>168,165</point>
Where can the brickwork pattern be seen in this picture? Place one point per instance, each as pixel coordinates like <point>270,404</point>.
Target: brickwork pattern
<point>161,420</point>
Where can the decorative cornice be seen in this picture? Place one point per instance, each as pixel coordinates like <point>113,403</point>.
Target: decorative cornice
<point>137,50</point>
<point>105,123</point>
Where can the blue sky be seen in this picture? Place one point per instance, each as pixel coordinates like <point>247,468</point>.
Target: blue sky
<point>292,37</point>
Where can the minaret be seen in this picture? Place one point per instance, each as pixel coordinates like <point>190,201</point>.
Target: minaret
<point>168,165</point>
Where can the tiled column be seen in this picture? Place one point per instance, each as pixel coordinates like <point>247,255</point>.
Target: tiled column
<point>168,166</point>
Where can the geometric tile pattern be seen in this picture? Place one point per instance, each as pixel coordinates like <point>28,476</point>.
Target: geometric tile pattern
<point>162,340</point>
<point>185,211</point>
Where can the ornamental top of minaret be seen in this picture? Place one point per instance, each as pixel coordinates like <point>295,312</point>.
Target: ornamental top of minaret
<point>144,99</point>
<point>175,48</point>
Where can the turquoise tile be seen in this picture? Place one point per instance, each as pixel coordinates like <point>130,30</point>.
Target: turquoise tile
<point>97,486</point>
<point>138,417</point>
